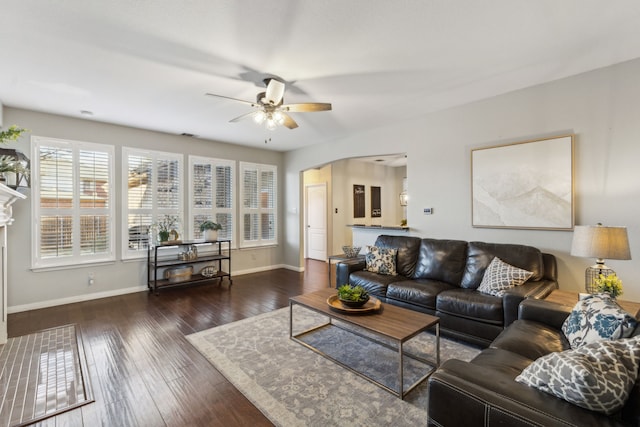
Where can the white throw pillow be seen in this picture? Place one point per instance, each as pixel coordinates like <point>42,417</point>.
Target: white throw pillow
<point>381,260</point>
<point>596,318</point>
<point>597,376</point>
<point>500,276</point>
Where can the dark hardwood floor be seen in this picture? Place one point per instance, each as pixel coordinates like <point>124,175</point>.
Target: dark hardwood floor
<point>143,370</point>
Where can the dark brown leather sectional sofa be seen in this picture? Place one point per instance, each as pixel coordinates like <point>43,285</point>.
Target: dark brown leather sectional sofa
<point>440,277</point>
<point>484,391</point>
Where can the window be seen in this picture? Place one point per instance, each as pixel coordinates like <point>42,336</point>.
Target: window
<point>258,204</point>
<point>211,195</point>
<point>73,202</point>
<point>151,188</point>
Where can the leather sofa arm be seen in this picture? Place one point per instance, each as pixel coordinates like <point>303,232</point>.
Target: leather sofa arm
<point>514,296</point>
<point>491,399</point>
<point>541,311</point>
<point>345,268</point>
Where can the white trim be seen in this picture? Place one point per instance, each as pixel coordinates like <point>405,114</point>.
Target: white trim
<point>74,299</point>
<point>155,212</point>
<point>192,211</point>
<point>37,262</point>
<point>243,242</point>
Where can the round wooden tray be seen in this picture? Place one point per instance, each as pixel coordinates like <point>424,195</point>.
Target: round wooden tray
<point>370,306</point>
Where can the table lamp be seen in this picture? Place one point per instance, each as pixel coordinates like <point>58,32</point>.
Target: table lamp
<point>599,242</point>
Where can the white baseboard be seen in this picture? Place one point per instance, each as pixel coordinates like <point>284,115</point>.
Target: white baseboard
<point>73,299</point>
<point>116,292</point>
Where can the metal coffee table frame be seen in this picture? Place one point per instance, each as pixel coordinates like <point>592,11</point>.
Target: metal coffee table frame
<point>353,320</point>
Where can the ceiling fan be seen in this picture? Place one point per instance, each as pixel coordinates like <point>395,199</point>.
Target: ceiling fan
<point>270,108</point>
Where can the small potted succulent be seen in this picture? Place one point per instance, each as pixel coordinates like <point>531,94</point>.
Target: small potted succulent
<point>353,296</point>
<point>210,230</point>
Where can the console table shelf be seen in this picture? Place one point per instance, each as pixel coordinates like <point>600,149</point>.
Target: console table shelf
<point>157,263</point>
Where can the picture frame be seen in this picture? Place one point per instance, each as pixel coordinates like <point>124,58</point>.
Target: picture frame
<point>524,185</point>
<point>376,202</point>
<point>358,201</point>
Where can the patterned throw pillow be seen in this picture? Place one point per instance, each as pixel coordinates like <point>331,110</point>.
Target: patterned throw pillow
<point>596,318</point>
<point>381,260</point>
<point>500,276</point>
<point>598,376</point>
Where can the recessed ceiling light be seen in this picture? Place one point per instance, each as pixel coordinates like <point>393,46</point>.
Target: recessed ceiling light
<point>86,113</point>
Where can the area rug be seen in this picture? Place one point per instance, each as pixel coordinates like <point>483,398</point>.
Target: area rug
<point>294,386</point>
<point>42,374</point>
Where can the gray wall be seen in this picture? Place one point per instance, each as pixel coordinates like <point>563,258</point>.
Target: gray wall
<point>28,289</point>
<point>601,108</point>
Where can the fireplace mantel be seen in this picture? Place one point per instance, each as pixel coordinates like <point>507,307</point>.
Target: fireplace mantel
<point>7,198</point>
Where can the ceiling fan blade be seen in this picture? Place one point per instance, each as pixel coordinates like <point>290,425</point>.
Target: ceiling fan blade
<point>245,116</point>
<point>275,92</point>
<point>289,122</point>
<point>307,107</point>
<point>253,104</point>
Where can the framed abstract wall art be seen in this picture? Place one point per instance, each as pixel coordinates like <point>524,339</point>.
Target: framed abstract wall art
<point>524,185</point>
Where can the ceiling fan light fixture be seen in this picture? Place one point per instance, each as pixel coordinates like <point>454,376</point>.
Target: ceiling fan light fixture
<point>259,117</point>
<point>271,124</point>
<point>278,117</point>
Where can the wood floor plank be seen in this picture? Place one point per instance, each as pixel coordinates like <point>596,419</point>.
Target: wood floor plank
<point>143,370</point>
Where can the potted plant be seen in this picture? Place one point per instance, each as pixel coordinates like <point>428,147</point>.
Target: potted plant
<point>166,227</point>
<point>353,296</point>
<point>13,164</point>
<point>210,230</point>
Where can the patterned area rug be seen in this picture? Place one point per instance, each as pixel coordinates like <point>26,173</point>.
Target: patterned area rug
<point>42,375</point>
<point>294,386</point>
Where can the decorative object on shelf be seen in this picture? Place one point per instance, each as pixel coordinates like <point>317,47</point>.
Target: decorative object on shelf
<point>190,254</point>
<point>610,284</point>
<point>353,296</point>
<point>351,251</point>
<point>167,228</point>
<point>602,243</point>
<point>178,274</point>
<point>210,230</point>
<point>14,165</point>
<point>209,271</point>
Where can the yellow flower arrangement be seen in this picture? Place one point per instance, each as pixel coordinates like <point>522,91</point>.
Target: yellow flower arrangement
<point>610,284</point>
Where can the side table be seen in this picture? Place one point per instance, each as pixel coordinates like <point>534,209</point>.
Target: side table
<point>571,298</point>
<point>338,258</point>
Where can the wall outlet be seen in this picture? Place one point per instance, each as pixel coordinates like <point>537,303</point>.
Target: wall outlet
<point>428,211</point>
<point>92,279</point>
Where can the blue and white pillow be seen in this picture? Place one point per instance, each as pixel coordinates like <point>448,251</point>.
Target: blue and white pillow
<point>381,260</point>
<point>596,318</point>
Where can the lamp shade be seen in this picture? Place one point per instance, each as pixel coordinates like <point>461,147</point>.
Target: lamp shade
<point>600,242</point>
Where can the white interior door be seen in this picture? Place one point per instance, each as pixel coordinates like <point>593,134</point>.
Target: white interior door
<point>316,212</point>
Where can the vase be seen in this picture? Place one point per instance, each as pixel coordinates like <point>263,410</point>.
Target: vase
<point>210,235</point>
<point>163,235</point>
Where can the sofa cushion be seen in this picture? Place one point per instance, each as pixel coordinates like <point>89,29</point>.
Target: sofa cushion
<point>500,276</point>
<point>480,255</point>
<point>407,247</point>
<point>531,339</point>
<point>499,360</point>
<point>376,284</point>
<point>471,304</point>
<point>418,292</point>
<point>441,260</point>
<point>381,260</point>
<point>597,376</point>
<point>596,318</point>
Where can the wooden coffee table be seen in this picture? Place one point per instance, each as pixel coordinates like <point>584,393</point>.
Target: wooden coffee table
<point>395,324</point>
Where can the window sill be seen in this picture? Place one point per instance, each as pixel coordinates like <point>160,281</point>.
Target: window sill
<point>70,266</point>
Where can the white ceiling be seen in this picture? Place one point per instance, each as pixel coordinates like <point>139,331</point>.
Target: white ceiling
<point>148,63</point>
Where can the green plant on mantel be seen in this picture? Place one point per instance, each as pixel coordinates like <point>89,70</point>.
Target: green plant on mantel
<point>11,134</point>
<point>11,163</point>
